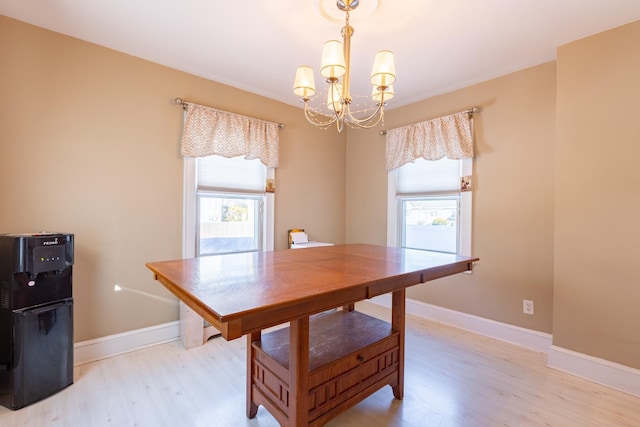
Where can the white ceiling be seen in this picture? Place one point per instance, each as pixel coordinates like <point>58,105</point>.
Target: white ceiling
<point>256,45</point>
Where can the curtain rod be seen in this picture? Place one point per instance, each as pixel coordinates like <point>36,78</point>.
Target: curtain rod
<point>184,103</point>
<point>470,112</point>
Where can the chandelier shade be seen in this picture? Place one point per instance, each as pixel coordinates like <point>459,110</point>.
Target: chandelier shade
<point>383,72</point>
<point>332,64</point>
<point>335,68</point>
<point>377,94</point>
<point>303,85</point>
<point>334,98</point>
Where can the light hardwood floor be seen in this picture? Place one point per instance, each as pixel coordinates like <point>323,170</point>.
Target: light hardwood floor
<point>453,378</point>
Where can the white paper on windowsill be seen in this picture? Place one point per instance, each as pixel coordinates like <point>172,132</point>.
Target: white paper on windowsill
<point>310,245</point>
<point>299,237</point>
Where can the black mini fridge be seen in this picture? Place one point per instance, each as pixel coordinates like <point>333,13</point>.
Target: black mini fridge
<point>36,316</point>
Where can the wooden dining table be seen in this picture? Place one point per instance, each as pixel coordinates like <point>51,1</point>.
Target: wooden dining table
<point>330,356</point>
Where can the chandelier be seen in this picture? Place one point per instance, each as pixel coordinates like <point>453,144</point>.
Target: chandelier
<point>335,68</point>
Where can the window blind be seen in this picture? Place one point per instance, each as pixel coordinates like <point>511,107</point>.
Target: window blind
<point>236,173</point>
<point>428,176</point>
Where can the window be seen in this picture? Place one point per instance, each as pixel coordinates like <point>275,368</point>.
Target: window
<point>426,209</point>
<point>429,223</point>
<point>226,207</point>
<point>228,223</point>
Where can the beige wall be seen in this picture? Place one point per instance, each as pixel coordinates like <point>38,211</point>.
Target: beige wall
<point>512,200</point>
<point>596,284</point>
<point>90,145</point>
<point>555,203</point>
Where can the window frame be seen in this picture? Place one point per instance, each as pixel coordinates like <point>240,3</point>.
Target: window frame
<point>190,223</point>
<point>465,220</point>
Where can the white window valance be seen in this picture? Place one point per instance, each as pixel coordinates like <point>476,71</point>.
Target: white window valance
<point>448,136</point>
<point>209,131</point>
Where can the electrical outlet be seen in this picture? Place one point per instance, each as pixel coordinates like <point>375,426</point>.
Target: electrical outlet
<point>527,306</point>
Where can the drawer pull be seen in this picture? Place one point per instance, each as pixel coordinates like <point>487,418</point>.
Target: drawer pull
<point>360,358</point>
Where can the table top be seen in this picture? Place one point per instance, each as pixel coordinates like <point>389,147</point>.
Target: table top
<point>247,292</point>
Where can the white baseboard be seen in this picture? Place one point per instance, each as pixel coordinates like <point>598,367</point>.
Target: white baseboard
<point>113,345</point>
<point>534,340</point>
<point>591,368</point>
<point>601,371</point>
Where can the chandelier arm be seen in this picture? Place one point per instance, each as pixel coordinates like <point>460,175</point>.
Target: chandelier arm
<point>311,117</point>
<point>340,119</point>
<point>365,123</point>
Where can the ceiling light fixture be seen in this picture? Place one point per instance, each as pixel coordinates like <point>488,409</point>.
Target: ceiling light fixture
<point>335,67</point>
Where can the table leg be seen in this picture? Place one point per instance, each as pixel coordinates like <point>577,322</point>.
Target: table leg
<point>349,307</point>
<point>398,324</point>
<point>252,408</point>
<point>299,372</point>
